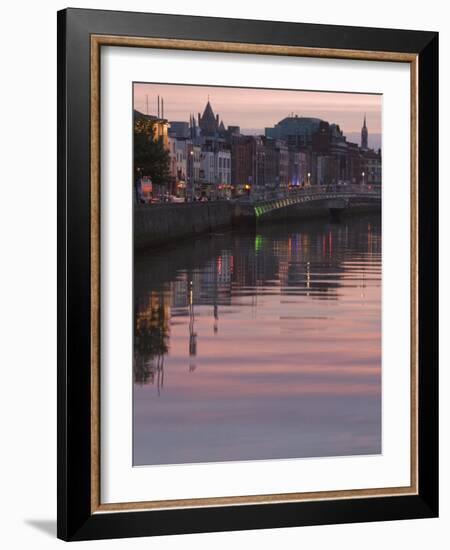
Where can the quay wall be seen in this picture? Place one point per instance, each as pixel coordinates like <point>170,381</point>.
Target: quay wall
<point>158,224</point>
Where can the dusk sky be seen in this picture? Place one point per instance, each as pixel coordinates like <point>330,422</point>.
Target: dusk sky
<point>254,109</point>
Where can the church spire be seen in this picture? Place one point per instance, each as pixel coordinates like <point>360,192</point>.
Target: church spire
<point>208,120</point>
<point>364,135</point>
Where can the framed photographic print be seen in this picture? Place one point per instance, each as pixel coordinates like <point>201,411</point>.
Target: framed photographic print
<point>247,252</point>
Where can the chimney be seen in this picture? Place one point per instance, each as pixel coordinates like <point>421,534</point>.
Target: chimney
<point>158,106</point>
<point>162,107</point>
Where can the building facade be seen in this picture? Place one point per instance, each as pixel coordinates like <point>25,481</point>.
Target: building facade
<point>210,160</point>
<point>371,167</point>
<point>243,158</point>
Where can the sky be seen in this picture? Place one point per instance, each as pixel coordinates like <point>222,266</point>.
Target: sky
<point>254,109</point>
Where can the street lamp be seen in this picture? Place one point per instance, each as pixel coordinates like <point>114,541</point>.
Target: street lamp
<point>191,154</point>
<point>363,174</point>
<point>309,179</point>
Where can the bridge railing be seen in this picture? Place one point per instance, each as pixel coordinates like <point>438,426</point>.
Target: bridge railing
<point>313,191</point>
<point>305,195</point>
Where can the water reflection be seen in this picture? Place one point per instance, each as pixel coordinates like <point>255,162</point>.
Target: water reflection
<point>256,345</point>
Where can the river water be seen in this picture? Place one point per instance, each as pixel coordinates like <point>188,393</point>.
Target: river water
<point>259,344</point>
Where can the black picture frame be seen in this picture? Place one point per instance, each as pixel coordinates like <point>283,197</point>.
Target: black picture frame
<point>75,518</point>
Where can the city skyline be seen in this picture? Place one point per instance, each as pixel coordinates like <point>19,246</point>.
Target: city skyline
<point>254,109</point>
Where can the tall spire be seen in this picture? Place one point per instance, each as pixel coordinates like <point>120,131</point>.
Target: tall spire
<point>193,127</point>
<point>364,135</point>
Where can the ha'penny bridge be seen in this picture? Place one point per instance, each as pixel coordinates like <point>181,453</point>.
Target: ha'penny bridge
<point>157,224</point>
<point>310,202</point>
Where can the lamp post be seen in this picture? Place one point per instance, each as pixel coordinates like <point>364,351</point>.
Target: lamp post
<point>363,174</point>
<point>309,179</point>
<point>191,174</point>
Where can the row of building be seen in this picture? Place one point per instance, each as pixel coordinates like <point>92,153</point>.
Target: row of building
<point>209,159</point>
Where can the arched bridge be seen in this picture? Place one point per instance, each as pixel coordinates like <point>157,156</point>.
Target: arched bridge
<point>311,201</point>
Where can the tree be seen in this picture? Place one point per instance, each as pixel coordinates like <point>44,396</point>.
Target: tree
<point>150,157</point>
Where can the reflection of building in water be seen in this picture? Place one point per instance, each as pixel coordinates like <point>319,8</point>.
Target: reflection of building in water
<point>315,260</point>
<point>216,318</point>
<point>179,290</point>
<point>283,251</point>
<point>151,337</point>
<point>314,263</point>
<point>207,285</point>
<point>254,262</point>
<point>307,266</point>
<point>211,284</point>
<point>192,333</point>
<point>244,268</point>
<point>291,260</point>
<point>215,280</point>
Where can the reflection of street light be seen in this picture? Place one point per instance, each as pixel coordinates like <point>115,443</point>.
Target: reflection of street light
<point>191,154</point>
<point>308,277</point>
<point>192,333</point>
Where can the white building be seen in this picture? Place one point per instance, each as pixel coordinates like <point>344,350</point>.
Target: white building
<point>216,167</point>
<point>224,167</point>
<point>208,167</point>
<point>196,159</point>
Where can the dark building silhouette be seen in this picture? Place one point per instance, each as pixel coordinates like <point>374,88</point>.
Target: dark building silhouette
<point>209,123</point>
<point>296,130</point>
